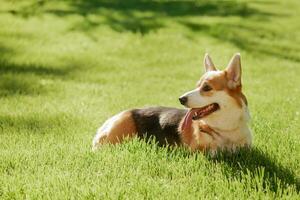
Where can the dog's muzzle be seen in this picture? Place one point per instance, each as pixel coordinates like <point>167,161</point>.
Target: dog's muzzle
<point>183,100</point>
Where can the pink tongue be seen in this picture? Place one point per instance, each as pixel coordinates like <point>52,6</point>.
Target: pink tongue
<point>188,119</point>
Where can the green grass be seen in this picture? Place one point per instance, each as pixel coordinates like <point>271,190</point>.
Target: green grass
<point>66,66</point>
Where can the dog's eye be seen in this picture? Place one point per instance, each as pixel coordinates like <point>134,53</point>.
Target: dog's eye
<point>206,88</point>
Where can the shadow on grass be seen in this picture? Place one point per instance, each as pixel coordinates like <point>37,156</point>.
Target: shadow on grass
<point>144,16</point>
<point>252,167</point>
<point>39,70</point>
<point>14,85</point>
<point>140,16</point>
<point>24,79</point>
<point>253,162</point>
<point>257,40</point>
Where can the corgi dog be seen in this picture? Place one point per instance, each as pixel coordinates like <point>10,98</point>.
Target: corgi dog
<point>215,117</point>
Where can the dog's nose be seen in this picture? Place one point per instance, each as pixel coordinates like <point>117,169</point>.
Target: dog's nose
<point>183,100</point>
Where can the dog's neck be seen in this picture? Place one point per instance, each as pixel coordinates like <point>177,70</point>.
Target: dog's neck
<point>234,131</point>
<point>229,118</point>
<point>226,133</point>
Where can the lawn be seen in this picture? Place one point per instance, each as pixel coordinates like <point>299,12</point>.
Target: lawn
<point>66,66</point>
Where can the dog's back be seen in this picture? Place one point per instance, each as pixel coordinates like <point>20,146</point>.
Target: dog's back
<point>159,122</point>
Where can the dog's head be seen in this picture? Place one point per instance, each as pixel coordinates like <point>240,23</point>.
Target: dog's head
<point>218,97</point>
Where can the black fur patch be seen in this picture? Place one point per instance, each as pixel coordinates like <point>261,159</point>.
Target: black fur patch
<point>160,122</point>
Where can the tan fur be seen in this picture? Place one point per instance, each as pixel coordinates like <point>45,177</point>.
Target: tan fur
<point>220,82</point>
<point>188,138</point>
<point>200,137</point>
<point>116,129</point>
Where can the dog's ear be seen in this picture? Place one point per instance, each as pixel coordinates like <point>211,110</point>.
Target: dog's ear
<point>208,64</point>
<point>234,71</point>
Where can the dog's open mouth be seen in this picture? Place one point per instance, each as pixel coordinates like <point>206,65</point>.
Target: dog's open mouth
<point>198,113</point>
<point>204,111</point>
